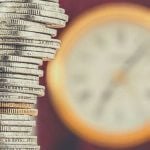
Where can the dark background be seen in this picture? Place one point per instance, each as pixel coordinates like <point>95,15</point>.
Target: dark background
<point>53,135</point>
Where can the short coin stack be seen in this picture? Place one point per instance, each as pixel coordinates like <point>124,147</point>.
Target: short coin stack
<point>27,29</point>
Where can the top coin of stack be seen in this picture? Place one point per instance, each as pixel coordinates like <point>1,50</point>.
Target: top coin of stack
<point>27,31</point>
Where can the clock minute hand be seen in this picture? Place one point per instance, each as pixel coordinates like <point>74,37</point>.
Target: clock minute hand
<point>132,60</point>
<point>105,97</point>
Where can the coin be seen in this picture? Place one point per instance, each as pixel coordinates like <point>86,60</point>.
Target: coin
<point>41,55</point>
<point>48,3</point>
<point>20,89</point>
<point>33,6</point>
<point>23,34</point>
<point>36,12</point>
<point>27,26</point>
<point>17,123</point>
<point>19,76</point>
<point>17,70</point>
<point>10,58</point>
<point>16,117</point>
<point>16,64</point>
<point>20,147</point>
<point>16,140</point>
<point>15,129</point>
<point>31,29</point>
<point>5,134</point>
<point>17,97</point>
<point>24,86</point>
<point>16,105</point>
<point>18,100</point>
<point>27,48</point>
<point>51,43</point>
<point>15,81</point>
<point>50,22</point>
<point>31,112</point>
<point>20,95</point>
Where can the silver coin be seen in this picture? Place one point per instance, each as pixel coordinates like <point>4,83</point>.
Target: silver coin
<point>56,1</point>
<point>29,29</point>
<point>20,89</point>
<point>20,147</point>
<point>17,100</point>
<point>26,138</point>
<point>27,48</point>
<point>17,70</point>
<point>27,25</point>
<point>51,43</point>
<point>5,134</point>
<point>16,64</point>
<point>47,3</point>
<point>50,22</point>
<point>23,34</point>
<point>17,96</point>
<point>19,21</point>
<point>13,80</point>
<point>34,6</point>
<point>21,86</point>
<point>18,140</point>
<point>15,129</point>
<point>16,117</point>
<point>21,95</point>
<point>35,86</point>
<point>17,123</point>
<point>19,76</point>
<point>41,55</point>
<point>29,148</point>
<point>37,12</point>
<point>10,58</point>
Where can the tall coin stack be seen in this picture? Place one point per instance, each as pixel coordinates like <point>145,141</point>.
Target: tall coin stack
<point>27,29</point>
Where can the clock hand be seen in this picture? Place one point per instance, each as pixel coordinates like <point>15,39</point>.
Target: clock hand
<point>106,96</point>
<point>129,63</point>
<point>132,60</point>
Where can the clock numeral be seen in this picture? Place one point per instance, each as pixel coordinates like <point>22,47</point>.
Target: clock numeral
<point>120,36</point>
<point>119,116</point>
<point>84,95</point>
<point>147,94</point>
<point>77,78</point>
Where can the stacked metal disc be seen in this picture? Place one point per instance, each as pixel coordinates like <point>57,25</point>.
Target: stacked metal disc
<point>27,31</point>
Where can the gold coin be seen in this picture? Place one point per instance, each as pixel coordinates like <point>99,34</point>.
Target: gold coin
<point>31,112</point>
<point>16,105</point>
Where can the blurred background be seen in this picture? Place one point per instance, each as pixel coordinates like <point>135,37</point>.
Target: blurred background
<point>52,133</point>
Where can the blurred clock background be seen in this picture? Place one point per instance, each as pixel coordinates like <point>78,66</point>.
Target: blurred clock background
<point>52,133</point>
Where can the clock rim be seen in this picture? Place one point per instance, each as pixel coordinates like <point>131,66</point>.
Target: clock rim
<point>55,74</point>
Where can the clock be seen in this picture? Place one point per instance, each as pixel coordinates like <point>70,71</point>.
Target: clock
<point>100,80</point>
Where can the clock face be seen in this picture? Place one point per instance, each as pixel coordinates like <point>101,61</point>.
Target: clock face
<point>108,76</point>
<point>100,80</point>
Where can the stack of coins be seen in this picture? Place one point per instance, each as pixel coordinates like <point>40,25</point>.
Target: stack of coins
<point>27,31</point>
